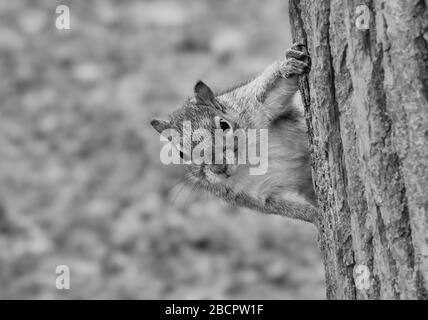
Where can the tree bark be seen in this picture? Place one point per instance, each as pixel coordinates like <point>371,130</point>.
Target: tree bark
<point>366,105</point>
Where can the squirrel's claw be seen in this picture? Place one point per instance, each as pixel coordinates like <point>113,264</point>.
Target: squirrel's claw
<point>297,54</point>
<point>297,61</point>
<point>298,46</point>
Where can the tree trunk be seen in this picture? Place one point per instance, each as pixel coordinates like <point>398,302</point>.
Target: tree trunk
<point>366,101</point>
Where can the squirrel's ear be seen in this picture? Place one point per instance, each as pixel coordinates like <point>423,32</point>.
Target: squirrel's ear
<point>203,93</point>
<point>160,125</point>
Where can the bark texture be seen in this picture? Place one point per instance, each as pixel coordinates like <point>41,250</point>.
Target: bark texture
<point>366,102</point>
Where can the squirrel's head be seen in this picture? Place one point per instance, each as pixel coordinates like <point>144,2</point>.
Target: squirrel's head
<point>192,129</point>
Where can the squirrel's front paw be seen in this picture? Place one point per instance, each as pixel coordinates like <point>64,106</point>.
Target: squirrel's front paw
<point>297,62</point>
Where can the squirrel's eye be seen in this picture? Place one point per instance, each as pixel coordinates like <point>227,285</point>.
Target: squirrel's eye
<point>184,156</point>
<point>224,125</point>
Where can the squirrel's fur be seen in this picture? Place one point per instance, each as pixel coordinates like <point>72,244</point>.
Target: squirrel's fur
<point>266,102</point>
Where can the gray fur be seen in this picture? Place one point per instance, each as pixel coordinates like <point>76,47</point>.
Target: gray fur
<point>266,102</point>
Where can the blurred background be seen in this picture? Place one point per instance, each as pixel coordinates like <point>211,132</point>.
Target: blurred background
<point>81,183</point>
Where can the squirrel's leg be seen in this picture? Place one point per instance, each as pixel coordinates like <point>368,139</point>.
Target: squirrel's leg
<point>271,92</point>
<point>282,75</point>
<point>290,205</point>
<point>268,94</point>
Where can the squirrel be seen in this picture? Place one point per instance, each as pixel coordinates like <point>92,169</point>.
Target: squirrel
<point>266,102</point>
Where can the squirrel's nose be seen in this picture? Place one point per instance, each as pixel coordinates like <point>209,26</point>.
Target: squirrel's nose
<point>218,168</point>
<point>231,169</point>
<point>228,170</point>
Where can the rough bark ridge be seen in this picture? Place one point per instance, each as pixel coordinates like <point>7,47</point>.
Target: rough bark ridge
<point>366,102</point>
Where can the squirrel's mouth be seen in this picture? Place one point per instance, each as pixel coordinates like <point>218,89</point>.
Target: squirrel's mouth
<point>212,177</point>
<point>218,173</point>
